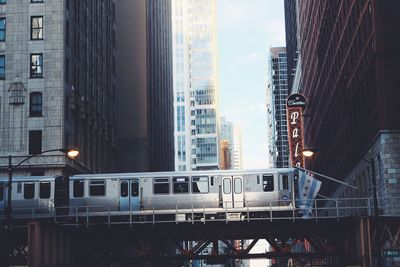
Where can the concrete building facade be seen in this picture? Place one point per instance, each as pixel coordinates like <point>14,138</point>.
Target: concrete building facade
<point>57,82</point>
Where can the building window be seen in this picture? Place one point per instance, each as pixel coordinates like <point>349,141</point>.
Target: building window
<point>36,65</point>
<point>35,142</point>
<point>2,29</point>
<point>37,28</point>
<point>35,104</point>
<point>2,67</point>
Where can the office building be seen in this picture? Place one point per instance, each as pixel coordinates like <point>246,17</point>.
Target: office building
<point>57,80</point>
<point>144,100</point>
<point>195,85</point>
<point>292,51</point>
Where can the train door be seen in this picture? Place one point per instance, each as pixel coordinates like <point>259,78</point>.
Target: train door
<point>129,195</point>
<point>232,192</point>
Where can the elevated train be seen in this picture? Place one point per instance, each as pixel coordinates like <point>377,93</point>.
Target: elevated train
<point>144,193</point>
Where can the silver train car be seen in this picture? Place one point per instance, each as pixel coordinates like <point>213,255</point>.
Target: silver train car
<point>186,192</point>
<point>34,195</point>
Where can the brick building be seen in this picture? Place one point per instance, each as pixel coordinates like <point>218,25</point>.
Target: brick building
<point>350,61</point>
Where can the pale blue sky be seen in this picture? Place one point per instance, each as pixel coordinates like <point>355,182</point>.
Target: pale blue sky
<point>245,31</point>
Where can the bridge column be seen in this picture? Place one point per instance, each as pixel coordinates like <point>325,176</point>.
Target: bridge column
<point>364,246</point>
<point>48,246</point>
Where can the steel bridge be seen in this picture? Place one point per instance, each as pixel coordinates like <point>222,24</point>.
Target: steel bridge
<point>340,232</point>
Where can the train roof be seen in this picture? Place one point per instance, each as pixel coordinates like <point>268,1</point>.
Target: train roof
<point>29,178</point>
<point>181,173</point>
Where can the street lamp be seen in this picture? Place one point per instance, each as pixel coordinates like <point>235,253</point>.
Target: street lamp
<point>69,152</point>
<point>310,151</point>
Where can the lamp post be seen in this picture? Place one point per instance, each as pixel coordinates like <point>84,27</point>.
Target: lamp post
<point>371,163</point>
<point>70,152</point>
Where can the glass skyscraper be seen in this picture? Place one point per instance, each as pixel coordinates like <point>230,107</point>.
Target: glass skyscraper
<point>277,93</point>
<point>195,84</point>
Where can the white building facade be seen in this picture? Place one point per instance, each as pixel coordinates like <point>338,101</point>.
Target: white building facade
<point>231,132</point>
<point>195,85</point>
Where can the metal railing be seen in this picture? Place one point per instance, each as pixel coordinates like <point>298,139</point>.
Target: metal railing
<point>209,212</point>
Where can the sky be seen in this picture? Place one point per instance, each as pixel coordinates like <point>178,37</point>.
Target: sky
<point>246,29</point>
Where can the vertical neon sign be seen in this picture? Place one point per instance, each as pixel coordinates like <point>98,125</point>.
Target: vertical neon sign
<point>295,105</point>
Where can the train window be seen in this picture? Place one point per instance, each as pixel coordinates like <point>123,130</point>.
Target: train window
<point>124,189</point>
<point>258,179</point>
<point>268,183</point>
<point>227,186</point>
<point>78,188</point>
<point>161,186</point>
<point>134,188</point>
<point>44,190</point>
<point>29,190</point>
<point>200,184</point>
<point>19,187</point>
<point>285,182</point>
<point>212,181</point>
<point>238,185</point>
<point>1,192</point>
<point>180,185</point>
<point>97,188</point>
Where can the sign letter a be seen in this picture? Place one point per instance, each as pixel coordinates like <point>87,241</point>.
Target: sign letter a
<point>295,133</point>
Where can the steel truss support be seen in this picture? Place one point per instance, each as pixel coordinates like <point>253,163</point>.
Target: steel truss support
<point>339,243</point>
